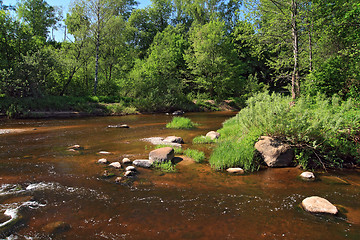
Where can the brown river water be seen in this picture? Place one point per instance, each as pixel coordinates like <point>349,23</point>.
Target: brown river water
<point>44,183</point>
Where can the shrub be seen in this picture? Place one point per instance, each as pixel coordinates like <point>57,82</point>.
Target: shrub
<point>236,153</point>
<point>198,156</point>
<point>202,140</point>
<point>181,123</point>
<point>322,130</point>
<point>165,166</point>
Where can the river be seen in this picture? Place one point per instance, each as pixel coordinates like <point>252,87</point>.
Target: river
<point>44,183</point>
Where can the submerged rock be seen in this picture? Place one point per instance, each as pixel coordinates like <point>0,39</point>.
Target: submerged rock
<point>126,161</point>
<point>213,135</point>
<point>173,139</point>
<point>75,147</point>
<point>275,152</point>
<point>161,155</point>
<point>160,140</point>
<point>130,168</point>
<point>235,170</point>
<point>56,227</point>
<point>144,163</point>
<point>118,126</point>
<point>129,173</point>
<point>104,153</point>
<point>307,176</point>
<point>103,161</point>
<point>115,165</point>
<point>316,204</point>
<point>178,113</point>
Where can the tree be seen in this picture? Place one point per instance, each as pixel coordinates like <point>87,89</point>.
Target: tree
<point>213,61</point>
<point>39,15</point>
<point>158,79</point>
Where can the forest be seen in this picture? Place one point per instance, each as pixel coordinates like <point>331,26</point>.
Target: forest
<point>166,55</point>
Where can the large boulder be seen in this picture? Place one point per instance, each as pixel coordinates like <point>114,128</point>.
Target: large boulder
<point>213,135</point>
<point>316,204</point>
<point>173,139</point>
<point>161,155</point>
<point>275,152</point>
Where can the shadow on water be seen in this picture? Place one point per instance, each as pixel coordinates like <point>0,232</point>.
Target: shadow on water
<point>43,184</point>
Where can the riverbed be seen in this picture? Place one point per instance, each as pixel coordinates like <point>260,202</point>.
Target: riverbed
<point>45,183</point>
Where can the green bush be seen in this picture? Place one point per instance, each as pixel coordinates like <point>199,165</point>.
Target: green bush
<point>321,129</point>
<point>198,156</point>
<point>165,166</point>
<point>202,140</point>
<point>236,153</point>
<point>181,123</point>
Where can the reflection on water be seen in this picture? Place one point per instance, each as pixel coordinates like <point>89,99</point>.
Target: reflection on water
<point>43,182</point>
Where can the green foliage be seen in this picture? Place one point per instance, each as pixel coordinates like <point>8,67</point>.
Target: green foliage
<point>202,140</point>
<point>233,152</point>
<point>198,156</point>
<point>167,167</point>
<point>318,127</point>
<point>181,123</point>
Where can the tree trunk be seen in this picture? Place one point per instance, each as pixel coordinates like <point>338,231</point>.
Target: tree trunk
<point>310,48</point>
<point>295,87</point>
<point>96,66</point>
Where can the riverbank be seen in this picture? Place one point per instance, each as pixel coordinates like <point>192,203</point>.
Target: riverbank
<point>68,107</point>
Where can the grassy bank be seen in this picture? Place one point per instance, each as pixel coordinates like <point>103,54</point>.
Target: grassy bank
<point>97,105</point>
<point>324,132</point>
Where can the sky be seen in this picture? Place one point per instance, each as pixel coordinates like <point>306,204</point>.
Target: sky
<point>64,4</point>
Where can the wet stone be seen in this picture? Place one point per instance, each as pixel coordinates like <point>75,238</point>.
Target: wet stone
<point>126,161</point>
<point>104,153</point>
<point>129,173</point>
<point>235,170</point>
<point>118,179</point>
<point>131,168</point>
<point>309,176</point>
<point>115,165</point>
<point>103,161</point>
<point>317,204</point>
<point>173,139</point>
<point>142,163</point>
<point>213,135</point>
<point>161,155</point>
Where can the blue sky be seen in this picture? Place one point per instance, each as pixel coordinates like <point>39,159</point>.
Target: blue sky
<point>64,4</point>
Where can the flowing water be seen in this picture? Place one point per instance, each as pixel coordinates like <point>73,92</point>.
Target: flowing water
<point>42,182</point>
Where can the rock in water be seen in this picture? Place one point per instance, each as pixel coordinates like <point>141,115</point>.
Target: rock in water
<point>274,152</point>
<point>316,204</point>
<point>130,168</point>
<point>104,153</point>
<point>115,165</point>
<point>129,174</point>
<point>178,113</point>
<point>103,161</point>
<point>119,126</point>
<point>213,135</point>
<point>144,163</point>
<point>126,161</point>
<point>173,139</point>
<point>235,170</point>
<point>307,176</point>
<point>161,155</point>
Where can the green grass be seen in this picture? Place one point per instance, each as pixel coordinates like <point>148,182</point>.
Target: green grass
<point>323,131</point>
<point>168,166</point>
<point>21,107</point>
<point>198,156</point>
<point>181,123</point>
<point>177,150</point>
<point>202,140</point>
